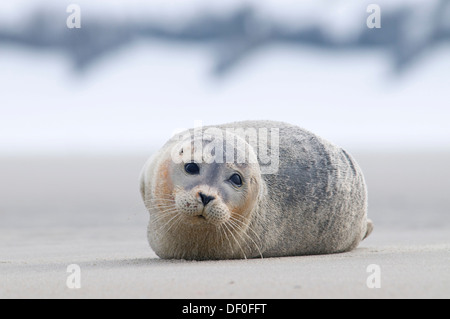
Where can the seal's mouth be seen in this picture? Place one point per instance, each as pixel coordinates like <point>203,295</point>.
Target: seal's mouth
<point>201,215</point>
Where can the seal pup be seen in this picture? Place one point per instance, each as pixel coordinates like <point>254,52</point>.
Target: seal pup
<point>210,195</point>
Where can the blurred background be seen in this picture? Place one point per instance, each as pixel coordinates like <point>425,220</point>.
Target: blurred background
<point>82,109</point>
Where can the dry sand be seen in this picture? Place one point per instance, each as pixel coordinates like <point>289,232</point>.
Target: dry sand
<point>60,211</point>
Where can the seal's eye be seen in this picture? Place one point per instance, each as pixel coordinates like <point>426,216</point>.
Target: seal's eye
<point>192,168</point>
<point>236,180</point>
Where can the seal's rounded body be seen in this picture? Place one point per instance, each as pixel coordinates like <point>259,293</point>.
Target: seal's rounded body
<point>313,202</point>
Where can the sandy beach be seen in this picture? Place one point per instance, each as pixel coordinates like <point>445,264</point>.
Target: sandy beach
<point>59,211</point>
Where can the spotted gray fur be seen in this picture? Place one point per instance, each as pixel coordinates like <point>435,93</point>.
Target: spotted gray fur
<point>316,203</point>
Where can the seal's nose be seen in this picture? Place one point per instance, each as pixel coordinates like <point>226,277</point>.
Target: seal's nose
<point>205,198</point>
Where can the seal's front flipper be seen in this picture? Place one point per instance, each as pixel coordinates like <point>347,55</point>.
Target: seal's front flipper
<point>369,228</point>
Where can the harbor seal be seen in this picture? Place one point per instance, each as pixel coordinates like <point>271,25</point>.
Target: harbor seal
<point>210,194</point>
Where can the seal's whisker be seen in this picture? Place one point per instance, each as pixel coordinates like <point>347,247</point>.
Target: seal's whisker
<point>219,230</point>
<point>164,206</point>
<point>248,236</point>
<point>163,197</point>
<point>170,224</point>
<point>160,200</point>
<point>249,226</point>
<point>235,239</point>
<point>226,236</point>
<point>162,227</point>
<point>166,210</point>
<point>163,215</point>
<point>239,230</point>
<point>160,205</point>
<point>227,230</point>
<point>157,219</point>
<point>175,222</point>
<point>157,200</point>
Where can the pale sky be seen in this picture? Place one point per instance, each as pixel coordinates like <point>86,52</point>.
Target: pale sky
<point>132,100</point>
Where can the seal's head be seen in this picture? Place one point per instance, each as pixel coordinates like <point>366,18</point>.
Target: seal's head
<point>201,198</point>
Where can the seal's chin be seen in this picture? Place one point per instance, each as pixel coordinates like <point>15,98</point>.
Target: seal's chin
<point>193,219</point>
<point>203,218</point>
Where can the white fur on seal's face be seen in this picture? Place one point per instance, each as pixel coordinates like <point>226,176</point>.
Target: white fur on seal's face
<point>181,226</point>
